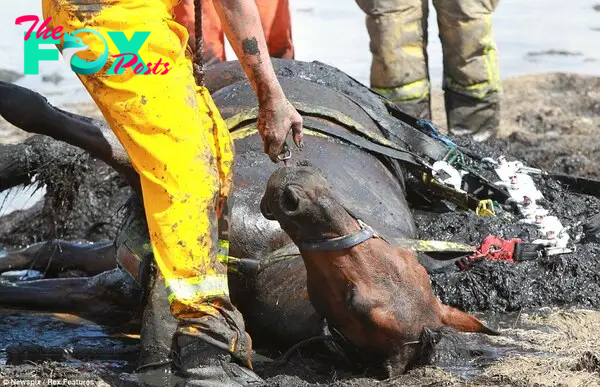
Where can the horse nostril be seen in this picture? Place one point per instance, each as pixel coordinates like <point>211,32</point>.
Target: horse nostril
<point>290,200</point>
<point>265,210</point>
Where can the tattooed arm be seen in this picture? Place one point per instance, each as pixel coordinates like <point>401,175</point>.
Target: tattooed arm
<point>241,24</point>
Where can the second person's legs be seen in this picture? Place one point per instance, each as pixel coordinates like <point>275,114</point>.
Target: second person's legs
<point>399,67</point>
<point>471,76</point>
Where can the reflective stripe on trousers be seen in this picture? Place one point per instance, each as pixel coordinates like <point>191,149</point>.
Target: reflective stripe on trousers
<point>174,136</point>
<point>197,288</point>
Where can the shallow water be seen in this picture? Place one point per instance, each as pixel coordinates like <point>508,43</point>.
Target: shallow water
<point>334,32</point>
<point>23,331</point>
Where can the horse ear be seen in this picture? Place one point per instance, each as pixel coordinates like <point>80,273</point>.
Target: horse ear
<point>464,322</point>
<point>264,209</point>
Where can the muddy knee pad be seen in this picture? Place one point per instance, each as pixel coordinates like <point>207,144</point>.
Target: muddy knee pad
<point>158,324</point>
<point>133,248</point>
<point>466,115</point>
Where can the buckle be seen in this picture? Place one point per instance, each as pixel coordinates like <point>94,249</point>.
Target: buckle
<point>365,226</point>
<point>485,208</point>
<point>129,261</point>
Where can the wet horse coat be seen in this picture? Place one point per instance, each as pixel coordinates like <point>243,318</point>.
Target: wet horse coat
<point>274,301</point>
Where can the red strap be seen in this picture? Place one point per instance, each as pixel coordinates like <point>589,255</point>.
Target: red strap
<point>492,248</point>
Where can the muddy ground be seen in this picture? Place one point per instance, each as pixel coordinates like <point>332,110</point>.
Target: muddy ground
<point>550,121</point>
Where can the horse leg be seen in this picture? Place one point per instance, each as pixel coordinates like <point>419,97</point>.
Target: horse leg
<point>32,113</point>
<point>57,256</point>
<point>109,298</point>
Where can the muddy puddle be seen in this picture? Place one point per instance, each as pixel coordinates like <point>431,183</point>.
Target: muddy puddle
<point>562,344</point>
<point>546,347</point>
<point>38,336</point>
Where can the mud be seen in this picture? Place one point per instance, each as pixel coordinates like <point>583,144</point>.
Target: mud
<point>82,199</point>
<point>86,199</point>
<point>565,280</point>
<point>546,348</point>
<point>62,337</point>
<point>549,121</point>
<point>48,374</point>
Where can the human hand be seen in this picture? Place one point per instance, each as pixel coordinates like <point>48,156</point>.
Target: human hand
<point>276,117</point>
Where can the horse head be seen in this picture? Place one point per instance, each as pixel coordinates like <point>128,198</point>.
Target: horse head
<point>376,296</point>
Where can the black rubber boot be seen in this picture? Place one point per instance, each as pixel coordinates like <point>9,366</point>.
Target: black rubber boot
<point>156,336</point>
<point>202,364</point>
<point>468,116</point>
<point>158,325</point>
<point>420,109</point>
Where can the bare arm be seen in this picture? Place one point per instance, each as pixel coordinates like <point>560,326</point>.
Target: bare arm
<point>241,24</point>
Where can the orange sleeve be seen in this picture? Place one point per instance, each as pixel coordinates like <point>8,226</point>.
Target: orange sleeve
<point>184,15</point>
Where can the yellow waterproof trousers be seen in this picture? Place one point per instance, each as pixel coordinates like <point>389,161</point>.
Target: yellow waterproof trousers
<point>179,145</point>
